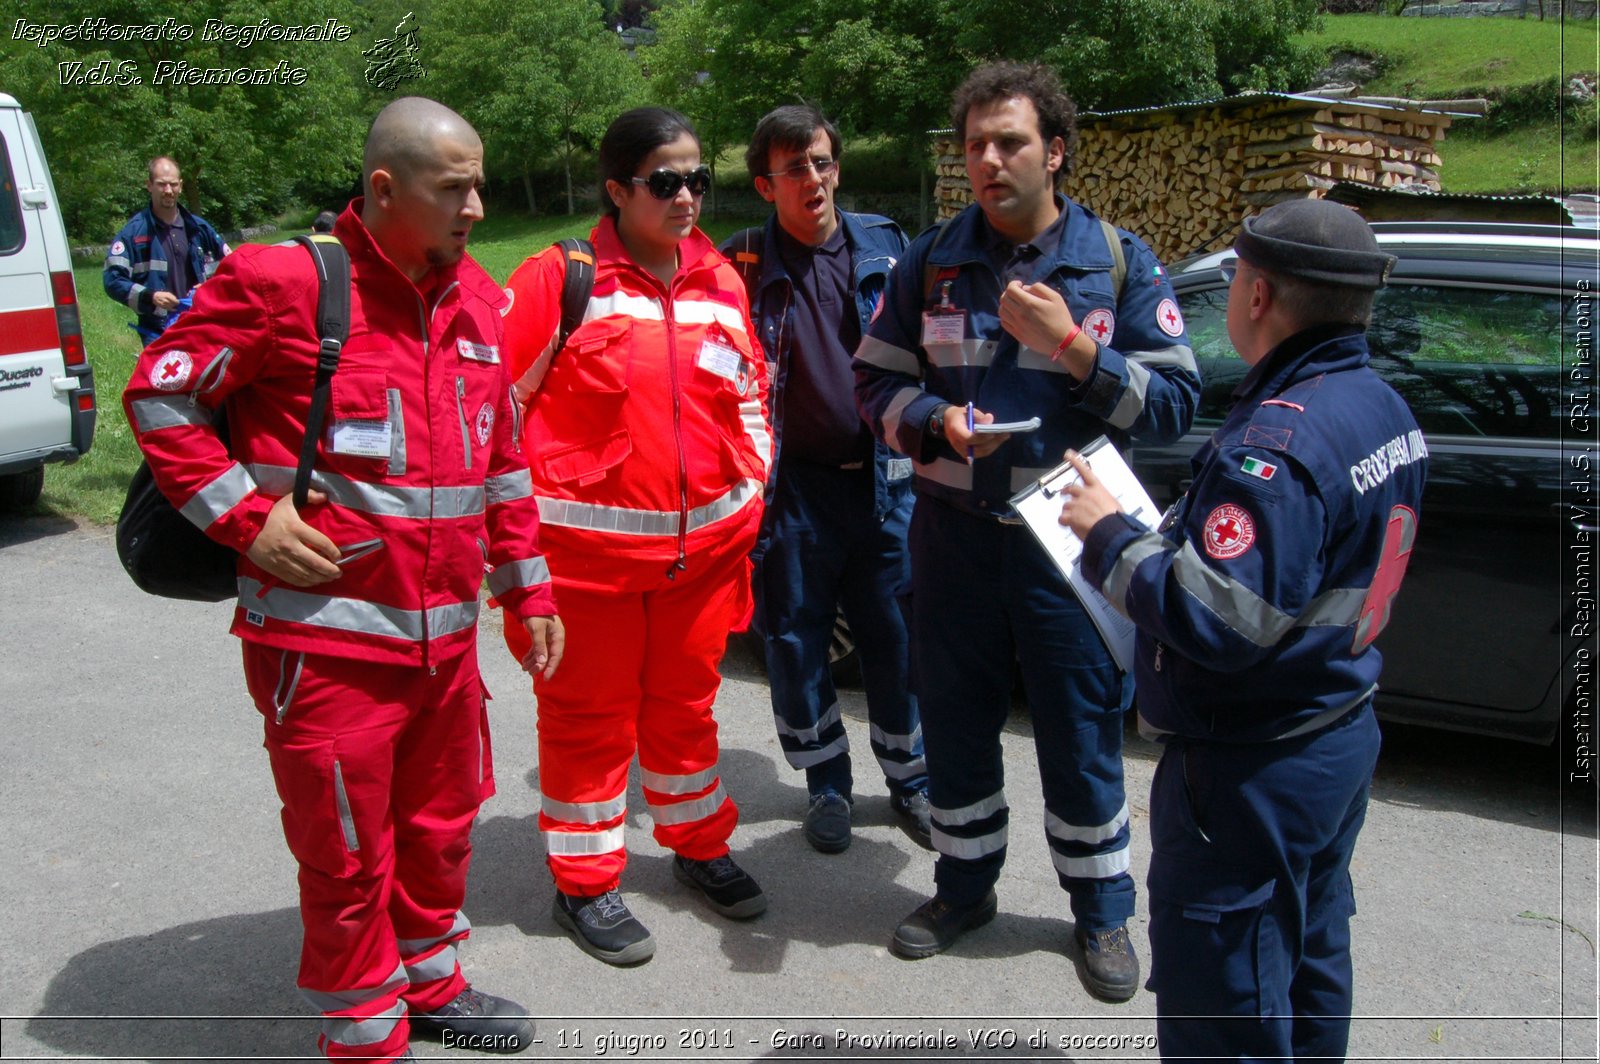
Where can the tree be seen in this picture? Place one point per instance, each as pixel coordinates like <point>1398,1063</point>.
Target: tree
<point>535,79</point>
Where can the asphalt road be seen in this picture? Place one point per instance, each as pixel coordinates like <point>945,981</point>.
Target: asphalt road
<point>149,899</point>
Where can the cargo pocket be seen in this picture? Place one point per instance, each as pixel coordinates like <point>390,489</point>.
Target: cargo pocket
<point>360,436</point>
<point>1220,938</point>
<point>588,462</point>
<point>318,815</point>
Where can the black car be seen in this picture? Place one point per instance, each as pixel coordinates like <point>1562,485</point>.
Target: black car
<point>1487,331</point>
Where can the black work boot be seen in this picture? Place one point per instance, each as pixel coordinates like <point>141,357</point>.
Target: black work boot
<point>1110,967</point>
<point>916,815</point>
<point>827,823</point>
<point>726,887</point>
<point>475,1020</point>
<point>937,924</point>
<point>603,927</point>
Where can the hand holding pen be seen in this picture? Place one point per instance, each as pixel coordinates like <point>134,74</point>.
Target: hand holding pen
<point>959,429</point>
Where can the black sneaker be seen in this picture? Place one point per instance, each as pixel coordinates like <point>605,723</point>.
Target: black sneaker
<point>1110,967</point>
<point>936,925</point>
<point>603,927</point>
<point>827,823</point>
<point>917,816</point>
<point>727,888</point>
<point>475,1020</point>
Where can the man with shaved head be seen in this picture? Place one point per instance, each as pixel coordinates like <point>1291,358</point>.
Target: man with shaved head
<point>359,614</point>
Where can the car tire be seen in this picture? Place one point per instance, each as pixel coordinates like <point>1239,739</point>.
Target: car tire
<point>19,490</point>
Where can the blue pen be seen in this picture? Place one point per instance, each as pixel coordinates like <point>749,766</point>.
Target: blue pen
<point>969,434</point>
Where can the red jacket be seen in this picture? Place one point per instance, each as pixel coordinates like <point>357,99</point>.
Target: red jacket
<point>647,434</point>
<point>419,452</point>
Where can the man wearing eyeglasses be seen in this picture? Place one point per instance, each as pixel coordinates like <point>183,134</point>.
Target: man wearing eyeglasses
<point>838,502</point>
<point>162,253</point>
<point>1017,309</point>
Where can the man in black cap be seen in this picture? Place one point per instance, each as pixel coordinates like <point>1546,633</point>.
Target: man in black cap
<point>1257,602</point>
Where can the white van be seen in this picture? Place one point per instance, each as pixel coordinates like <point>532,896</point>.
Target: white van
<point>47,407</point>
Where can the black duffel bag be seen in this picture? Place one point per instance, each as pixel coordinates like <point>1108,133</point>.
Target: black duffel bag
<point>164,552</point>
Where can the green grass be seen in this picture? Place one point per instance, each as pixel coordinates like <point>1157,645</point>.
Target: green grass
<point>93,487</point>
<point>1516,64</point>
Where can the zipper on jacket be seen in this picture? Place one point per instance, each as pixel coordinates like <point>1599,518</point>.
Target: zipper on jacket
<point>427,394</point>
<point>677,433</point>
<point>461,412</point>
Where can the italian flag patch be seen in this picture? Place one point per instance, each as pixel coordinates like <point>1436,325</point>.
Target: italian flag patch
<point>1257,468</point>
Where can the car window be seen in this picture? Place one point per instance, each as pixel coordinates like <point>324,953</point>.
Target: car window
<point>10,208</point>
<point>1468,361</point>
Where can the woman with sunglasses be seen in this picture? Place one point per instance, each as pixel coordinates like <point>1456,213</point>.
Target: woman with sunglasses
<point>647,443</point>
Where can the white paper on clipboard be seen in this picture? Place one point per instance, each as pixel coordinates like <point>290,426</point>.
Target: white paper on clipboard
<point>1039,506</point>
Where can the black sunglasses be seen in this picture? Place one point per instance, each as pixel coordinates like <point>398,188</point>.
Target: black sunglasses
<point>664,184</point>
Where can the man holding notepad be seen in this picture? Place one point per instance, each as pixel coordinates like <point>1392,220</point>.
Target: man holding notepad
<point>1025,306</point>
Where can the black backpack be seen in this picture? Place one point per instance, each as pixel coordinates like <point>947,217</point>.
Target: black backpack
<point>162,550</point>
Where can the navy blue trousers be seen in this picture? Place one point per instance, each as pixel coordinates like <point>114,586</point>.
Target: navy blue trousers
<point>827,549</point>
<point>987,596</point>
<point>1250,898</point>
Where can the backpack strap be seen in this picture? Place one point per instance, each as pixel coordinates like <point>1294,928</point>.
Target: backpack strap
<point>746,258</point>
<point>577,286</point>
<point>333,327</point>
<point>1119,263</point>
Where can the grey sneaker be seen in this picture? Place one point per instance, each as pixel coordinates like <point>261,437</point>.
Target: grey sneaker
<point>603,927</point>
<point>827,823</point>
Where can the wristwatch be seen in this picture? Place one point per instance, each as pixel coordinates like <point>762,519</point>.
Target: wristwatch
<point>935,426</point>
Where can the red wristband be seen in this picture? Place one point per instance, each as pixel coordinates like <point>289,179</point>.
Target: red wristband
<point>1062,348</point>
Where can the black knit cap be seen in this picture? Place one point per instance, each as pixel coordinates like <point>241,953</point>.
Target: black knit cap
<point>1314,240</point>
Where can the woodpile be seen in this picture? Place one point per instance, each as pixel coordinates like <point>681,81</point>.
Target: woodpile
<point>1184,177</point>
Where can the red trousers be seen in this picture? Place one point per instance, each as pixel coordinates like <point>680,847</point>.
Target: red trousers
<point>639,675</point>
<point>381,769</point>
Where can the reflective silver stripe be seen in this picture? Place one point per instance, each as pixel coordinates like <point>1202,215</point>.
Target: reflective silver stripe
<point>1024,477</point>
<point>885,356</point>
<point>397,436</point>
<point>167,411</point>
<point>1060,829</point>
<point>755,426</point>
<point>895,410</point>
<point>1338,608</point>
<point>1120,578</point>
<point>133,296</point>
<point>1100,866</point>
<point>382,500</point>
<point>968,813</point>
<point>807,758</point>
<point>706,311</point>
<point>688,812</point>
<point>584,812</point>
<point>347,821</point>
<point>1131,403</point>
<point>113,261</point>
<point>152,264</point>
<point>440,965</point>
<point>965,353</point>
<point>526,572</point>
<point>969,849</point>
<point>1180,355</point>
<point>902,770</point>
<point>1028,358</point>
<point>283,696</point>
<point>827,719</point>
<point>571,514</point>
<point>355,615</point>
<point>458,927</point>
<point>946,471</point>
<point>219,496</point>
<point>665,783</point>
<point>623,304</point>
<point>1235,605</point>
<point>340,1000</point>
<point>907,743</point>
<point>363,1032</point>
<point>1327,716</point>
<point>508,487</point>
<point>525,385</point>
<point>582,843</point>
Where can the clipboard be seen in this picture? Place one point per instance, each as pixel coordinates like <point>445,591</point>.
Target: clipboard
<point>1039,506</point>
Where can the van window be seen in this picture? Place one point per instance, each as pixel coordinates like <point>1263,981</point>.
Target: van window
<point>10,207</point>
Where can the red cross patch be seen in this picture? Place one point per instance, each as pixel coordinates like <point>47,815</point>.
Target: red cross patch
<point>1099,324</point>
<point>484,424</point>
<point>171,371</point>
<point>1168,320</point>
<point>1229,532</point>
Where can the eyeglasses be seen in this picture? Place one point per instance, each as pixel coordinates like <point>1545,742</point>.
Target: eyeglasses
<point>801,171</point>
<point>664,184</point>
<point>1229,268</point>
